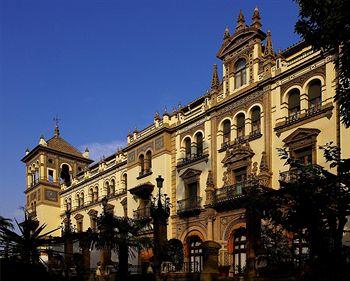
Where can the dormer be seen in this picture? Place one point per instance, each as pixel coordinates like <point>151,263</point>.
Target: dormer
<point>242,54</point>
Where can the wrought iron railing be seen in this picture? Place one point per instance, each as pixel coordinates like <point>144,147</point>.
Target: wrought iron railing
<point>192,158</point>
<point>232,191</point>
<point>142,213</point>
<point>191,203</point>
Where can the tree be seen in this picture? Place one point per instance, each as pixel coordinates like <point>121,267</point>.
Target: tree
<point>175,253</point>
<point>122,235</point>
<point>325,25</point>
<point>5,223</point>
<point>314,205</point>
<point>26,245</point>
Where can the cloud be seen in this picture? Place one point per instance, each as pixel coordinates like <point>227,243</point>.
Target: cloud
<point>98,150</point>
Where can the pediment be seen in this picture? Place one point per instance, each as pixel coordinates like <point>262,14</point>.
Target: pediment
<point>238,39</point>
<point>78,216</point>
<point>300,134</point>
<point>238,153</point>
<point>92,212</point>
<point>189,173</point>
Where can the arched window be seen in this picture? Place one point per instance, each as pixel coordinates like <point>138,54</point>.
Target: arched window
<point>199,142</point>
<point>77,200</point>
<point>240,73</point>
<point>107,187</point>
<point>148,163</point>
<point>188,148</point>
<point>239,250</point>
<point>96,194</point>
<point>125,180</point>
<point>112,187</point>
<point>314,93</point>
<point>65,175</point>
<point>240,125</point>
<point>69,204</point>
<point>293,102</point>
<point>142,164</point>
<point>226,128</point>
<point>91,195</point>
<point>82,199</point>
<point>256,115</point>
<point>195,253</point>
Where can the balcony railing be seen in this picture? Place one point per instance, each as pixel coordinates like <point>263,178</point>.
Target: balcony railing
<point>314,109</point>
<point>145,173</point>
<point>191,158</point>
<point>188,205</point>
<point>142,213</point>
<point>232,191</point>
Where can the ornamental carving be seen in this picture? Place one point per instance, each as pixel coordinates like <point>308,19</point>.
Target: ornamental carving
<point>242,103</point>
<point>159,143</point>
<point>239,156</point>
<point>298,79</point>
<point>51,195</point>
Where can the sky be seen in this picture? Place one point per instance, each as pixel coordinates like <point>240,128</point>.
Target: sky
<point>105,67</point>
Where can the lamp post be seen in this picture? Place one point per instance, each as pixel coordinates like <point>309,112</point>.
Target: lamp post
<point>67,231</point>
<point>160,212</point>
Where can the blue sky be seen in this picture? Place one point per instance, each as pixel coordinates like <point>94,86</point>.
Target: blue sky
<point>106,66</point>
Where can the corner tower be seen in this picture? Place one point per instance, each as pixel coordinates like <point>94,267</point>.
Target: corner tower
<point>50,165</point>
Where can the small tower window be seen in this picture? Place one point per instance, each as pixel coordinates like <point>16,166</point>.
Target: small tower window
<point>50,175</point>
<point>240,73</point>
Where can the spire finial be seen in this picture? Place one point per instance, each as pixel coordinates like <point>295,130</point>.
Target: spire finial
<point>57,130</point>
<point>240,21</point>
<point>215,79</point>
<point>268,48</point>
<point>256,18</point>
<point>226,33</point>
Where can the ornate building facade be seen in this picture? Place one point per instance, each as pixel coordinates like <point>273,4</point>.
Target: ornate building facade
<point>207,151</point>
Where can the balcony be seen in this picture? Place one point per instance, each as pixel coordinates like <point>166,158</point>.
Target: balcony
<point>142,213</point>
<point>189,206</point>
<point>192,159</point>
<point>145,173</point>
<point>227,196</point>
<point>315,111</point>
<point>241,139</point>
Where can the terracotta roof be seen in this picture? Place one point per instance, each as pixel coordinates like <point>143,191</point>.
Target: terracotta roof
<point>59,144</point>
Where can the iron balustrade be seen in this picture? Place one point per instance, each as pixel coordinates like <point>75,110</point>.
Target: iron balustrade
<point>232,191</point>
<point>191,203</point>
<point>191,158</point>
<point>142,213</point>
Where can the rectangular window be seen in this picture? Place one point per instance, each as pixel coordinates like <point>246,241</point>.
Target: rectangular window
<point>304,155</point>
<point>50,175</point>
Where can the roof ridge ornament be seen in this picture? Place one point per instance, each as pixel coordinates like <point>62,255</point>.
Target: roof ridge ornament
<point>256,18</point>
<point>268,48</point>
<point>215,79</point>
<point>227,34</point>
<point>57,130</point>
<point>240,21</point>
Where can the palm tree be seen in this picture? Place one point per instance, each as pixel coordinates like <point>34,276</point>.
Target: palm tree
<point>122,235</point>
<point>5,223</point>
<point>26,245</point>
